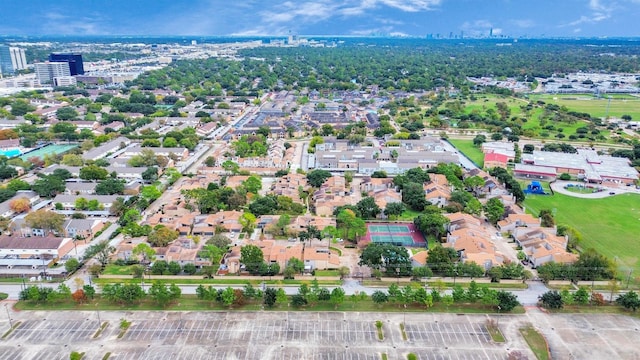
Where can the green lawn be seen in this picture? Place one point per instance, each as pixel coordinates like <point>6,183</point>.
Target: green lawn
<point>117,270</point>
<point>610,225</point>
<point>471,151</point>
<point>409,215</point>
<point>620,105</point>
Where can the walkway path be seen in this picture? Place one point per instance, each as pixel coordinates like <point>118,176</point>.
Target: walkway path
<point>559,187</point>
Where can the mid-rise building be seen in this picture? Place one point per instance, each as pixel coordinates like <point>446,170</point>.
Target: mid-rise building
<point>46,72</point>
<point>18,58</point>
<point>76,66</point>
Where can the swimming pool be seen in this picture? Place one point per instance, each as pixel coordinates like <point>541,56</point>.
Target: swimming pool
<point>11,152</point>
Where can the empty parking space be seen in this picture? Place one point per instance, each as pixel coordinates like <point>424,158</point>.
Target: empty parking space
<point>54,332</point>
<point>10,353</point>
<point>451,334</point>
<point>310,335</point>
<point>446,354</point>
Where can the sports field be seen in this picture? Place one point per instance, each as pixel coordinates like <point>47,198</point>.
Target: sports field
<point>52,149</point>
<point>469,150</point>
<point>610,225</point>
<point>620,105</point>
<point>398,234</point>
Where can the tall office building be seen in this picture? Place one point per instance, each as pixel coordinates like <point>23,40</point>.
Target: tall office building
<point>76,67</point>
<point>6,67</point>
<point>18,58</point>
<point>46,72</point>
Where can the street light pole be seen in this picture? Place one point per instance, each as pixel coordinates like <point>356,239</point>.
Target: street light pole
<point>9,316</point>
<point>98,313</point>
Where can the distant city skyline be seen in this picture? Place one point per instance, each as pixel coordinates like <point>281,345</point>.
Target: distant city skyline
<point>448,18</point>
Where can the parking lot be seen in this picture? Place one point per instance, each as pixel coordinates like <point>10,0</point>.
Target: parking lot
<point>308,335</point>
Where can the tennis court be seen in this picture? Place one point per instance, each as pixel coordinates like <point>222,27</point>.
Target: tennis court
<point>405,240</point>
<point>397,234</point>
<point>51,149</point>
<point>385,228</point>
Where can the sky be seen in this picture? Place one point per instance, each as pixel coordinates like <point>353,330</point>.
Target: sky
<point>517,18</point>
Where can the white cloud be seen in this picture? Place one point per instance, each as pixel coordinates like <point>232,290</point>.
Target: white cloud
<point>523,23</point>
<point>57,23</point>
<point>600,10</point>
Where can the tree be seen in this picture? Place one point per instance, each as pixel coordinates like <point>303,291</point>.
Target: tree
<point>169,142</point>
<point>45,220</point>
<point>7,172</point>
<point>296,264</point>
<point>163,295</point>
<point>126,294</point>
<point>71,265</point>
<point>102,253</point>
<point>394,259</point>
<point>228,296</point>
<point>252,257</point>
<point>474,182</point>
<point>581,296</point>
<point>432,224</point>
<point>151,193</point>
<point>298,300</point>
<point>231,166</point>
<point>110,186</point>
<point>189,269</point>
<point>270,296</point>
<point>151,174</point>
<point>253,184</point>
<point>351,226</point>
<point>79,296</point>
<point>479,139</point>
<point>379,297</point>
<point>551,300</point>
<point>441,259</point>
<point>507,301</point>
<point>414,196</point>
<point>144,253</point>
<point>379,174</point>
<point>72,160</point>
<point>48,186</point>
<point>494,210</point>
<point>629,301</point>
<point>368,208</point>
<point>20,205</point>
<point>317,177</point>
<point>337,296</point>
<point>248,222</point>
<point>93,172</point>
<point>17,185</point>
<point>592,265</point>
<point>161,236</point>
<point>210,161</point>
<point>419,272</point>
<point>546,217</point>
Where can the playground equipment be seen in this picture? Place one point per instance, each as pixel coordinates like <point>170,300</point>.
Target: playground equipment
<point>535,188</point>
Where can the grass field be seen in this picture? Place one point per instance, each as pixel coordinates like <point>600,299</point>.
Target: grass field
<point>536,342</point>
<point>620,105</point>
<point>610,225</point>
<point>471,151</point>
